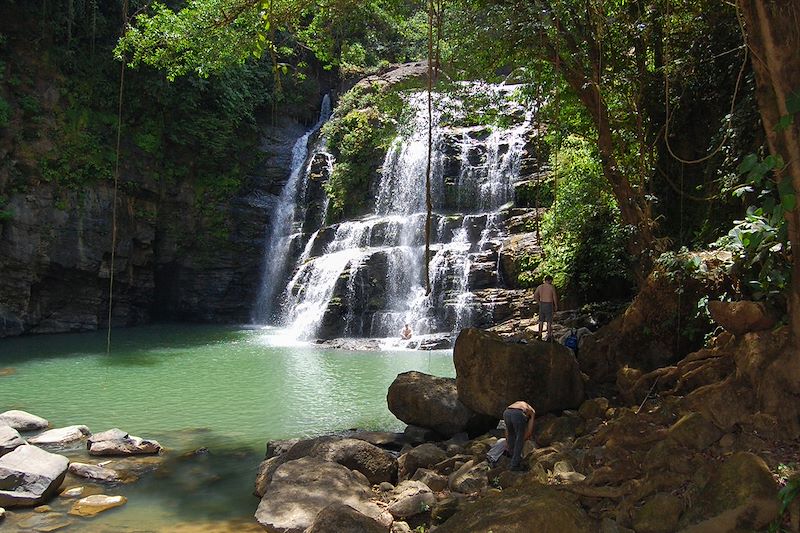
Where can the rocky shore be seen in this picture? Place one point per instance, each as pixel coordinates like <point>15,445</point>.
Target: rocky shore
<point>33,471</point>
<point>631,435</point>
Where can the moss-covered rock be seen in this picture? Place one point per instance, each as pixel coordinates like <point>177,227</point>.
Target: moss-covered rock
<point>659,514</point>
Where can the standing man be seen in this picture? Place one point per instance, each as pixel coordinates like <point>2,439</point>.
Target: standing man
<point>548,304</point>
<point>519,427</point>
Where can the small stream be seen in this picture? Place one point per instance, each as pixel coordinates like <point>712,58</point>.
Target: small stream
<point>226,389</point>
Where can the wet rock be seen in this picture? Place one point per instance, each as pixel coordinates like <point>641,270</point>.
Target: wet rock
<point>22,421</point>
<point>10,439</point>
<point>337,518</point>
<point>45,523</point>
<point>491,374</point>
<point>94,472</point>
<point>423,456</point>
<point>517,509</point>
<point>60,436</point>
<point>73,492</point>
<point>441,341</point>
<point>694,431</point>
<point>360,345</point>
<point>742,317</point>
<point>659,514</point>
<point>471,477</point>
<point>278,447</point>
<point>739,495</point>
<point>432,402</point>
<point>96,504</point>
<point>410,498</point>
<point>30,475</point>
<point>301,488</point>
<point>117,442</point>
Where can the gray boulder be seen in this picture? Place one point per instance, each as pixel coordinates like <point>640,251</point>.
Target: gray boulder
<point>375,464</point>
<point>30,475</point>
<point>337,518</point>
<point>94,472</point>
<point>9,440</point>
<point>300,489</point>
<point>22,421</point>
<point>410,498</point>
<point>423,456</point>
<point>470,477</point>
<point>491,374</point>
<point>432,402</point>
<point>63,435</point>
<point>117,442</point>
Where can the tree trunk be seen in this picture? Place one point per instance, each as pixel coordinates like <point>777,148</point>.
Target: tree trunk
<point>773,36</point>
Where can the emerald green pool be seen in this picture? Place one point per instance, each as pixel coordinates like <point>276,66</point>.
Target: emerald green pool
<point>226,389</point>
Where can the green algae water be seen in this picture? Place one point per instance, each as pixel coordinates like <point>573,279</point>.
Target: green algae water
<point>223,391</point>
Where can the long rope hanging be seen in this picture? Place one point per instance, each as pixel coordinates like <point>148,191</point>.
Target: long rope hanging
<point>428,201</point>
<point>116,186</point>
<point>668,118</point>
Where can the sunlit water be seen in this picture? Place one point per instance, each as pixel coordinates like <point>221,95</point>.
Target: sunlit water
<point>229,390</point>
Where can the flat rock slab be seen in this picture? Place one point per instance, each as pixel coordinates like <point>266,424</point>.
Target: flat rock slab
<point>118,442</point>
<point>10,440</point>
<point>301,488</point>
<point>95,504</point>
<point>94,472</point>
<point>63,435</point>
<point>45,522</point>
<point>22,421</point>
<point>30,475</point>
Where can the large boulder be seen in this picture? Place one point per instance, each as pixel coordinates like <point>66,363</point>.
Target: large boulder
<point>740,495</point>
<point>337,518</point>
<point>423,456</point>
<point>300,489</point>
<point>10,440</point>
<point>23,421</point>
<point>523,509</point>
<point>375,464</point>
<point>410,498</point>
<point>60,436</point>
<point>432,402</point>
<point>30,475</point>
<point>492,373</point>
<point>117,442</point>
<point>742,317</point>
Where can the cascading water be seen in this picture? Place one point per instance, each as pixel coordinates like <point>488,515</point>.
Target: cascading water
<point>365,277</point>
<point>283,232</point>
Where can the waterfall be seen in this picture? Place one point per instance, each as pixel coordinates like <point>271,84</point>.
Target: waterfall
<point>366,277</point>
<point>282,233</point>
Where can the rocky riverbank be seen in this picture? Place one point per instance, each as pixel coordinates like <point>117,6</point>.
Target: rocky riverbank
<point>36,474</point>
<point>630,436</point>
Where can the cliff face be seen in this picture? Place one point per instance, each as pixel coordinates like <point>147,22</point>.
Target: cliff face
<point>201,163</point>
<point>172,260</point>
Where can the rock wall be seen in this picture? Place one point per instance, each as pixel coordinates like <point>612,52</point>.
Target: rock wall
<point>175,259</point>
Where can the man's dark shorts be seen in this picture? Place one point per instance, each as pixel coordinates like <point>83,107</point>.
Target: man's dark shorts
<point>545,311</point>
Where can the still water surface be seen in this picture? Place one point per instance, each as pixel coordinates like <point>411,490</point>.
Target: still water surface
<point>226,389</point>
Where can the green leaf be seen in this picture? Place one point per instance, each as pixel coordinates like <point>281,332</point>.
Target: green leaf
<point>784,123</point>
<point>748,163</point>
<point>793,103</point>
<point>788,201</point>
